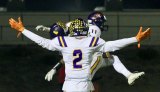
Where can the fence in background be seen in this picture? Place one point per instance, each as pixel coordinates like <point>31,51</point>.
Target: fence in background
<point>121,24</point>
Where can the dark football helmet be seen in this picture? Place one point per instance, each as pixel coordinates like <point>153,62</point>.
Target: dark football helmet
<point>57,29</point>
<point>97,18</point>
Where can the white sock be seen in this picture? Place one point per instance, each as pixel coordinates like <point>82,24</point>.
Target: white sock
<point>119,67</point>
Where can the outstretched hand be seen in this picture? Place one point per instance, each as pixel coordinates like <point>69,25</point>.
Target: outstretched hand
<point>42,28</point>
<point>142,35</point>
<point>50,74</point>
<point>16,25</point>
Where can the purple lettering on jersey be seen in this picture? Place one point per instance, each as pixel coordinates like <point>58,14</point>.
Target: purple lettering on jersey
<point>78,54</point>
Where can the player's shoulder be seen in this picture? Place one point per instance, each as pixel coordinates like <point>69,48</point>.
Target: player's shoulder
<point>59,38</point>
<point>83,38</point>
<point>95,41</point>
<point>99,38</point>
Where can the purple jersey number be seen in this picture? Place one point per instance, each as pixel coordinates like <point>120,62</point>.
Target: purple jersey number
<point>78,54</point>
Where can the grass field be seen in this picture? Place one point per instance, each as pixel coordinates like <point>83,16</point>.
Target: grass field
<point>23,68</point>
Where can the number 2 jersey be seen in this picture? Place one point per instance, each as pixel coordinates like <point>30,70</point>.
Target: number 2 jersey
<point>78,51</point>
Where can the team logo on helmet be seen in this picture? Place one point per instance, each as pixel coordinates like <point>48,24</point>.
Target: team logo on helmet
<point>61,24</point>
<point>57,29</point>
<point>78,27</point>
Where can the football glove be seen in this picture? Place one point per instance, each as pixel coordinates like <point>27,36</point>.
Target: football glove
<point>42,28</point>
<point>50,74</point>
<point>142,35</point>
<point>16,25</point>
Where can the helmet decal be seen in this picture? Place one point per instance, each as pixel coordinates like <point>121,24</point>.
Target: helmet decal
<point>78,27</point>
<point>57,29</point>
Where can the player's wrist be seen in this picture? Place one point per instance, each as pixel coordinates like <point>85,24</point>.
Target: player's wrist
<point>138,39</point>
<point>54,69</point>
<point>21,29</point>
<point>57,66</point>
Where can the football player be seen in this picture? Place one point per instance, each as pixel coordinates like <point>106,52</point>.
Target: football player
<point>96,25</point>
<point>77,51</point>
<point>58,29</point>
<point>96,21</point>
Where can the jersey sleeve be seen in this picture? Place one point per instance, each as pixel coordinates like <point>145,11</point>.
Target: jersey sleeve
<point>111,46</point>
<point>45,43</point>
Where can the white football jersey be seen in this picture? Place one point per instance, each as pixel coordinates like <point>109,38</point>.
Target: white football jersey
<point>94,31</point>
<point>77,52</point>
<point>77,55</point>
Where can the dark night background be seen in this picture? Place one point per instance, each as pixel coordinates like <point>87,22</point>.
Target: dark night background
<point>24,66</point>
<point>77,5</point>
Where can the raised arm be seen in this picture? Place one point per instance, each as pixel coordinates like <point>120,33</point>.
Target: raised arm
<point>45,43</point>
<point>118,44</point>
